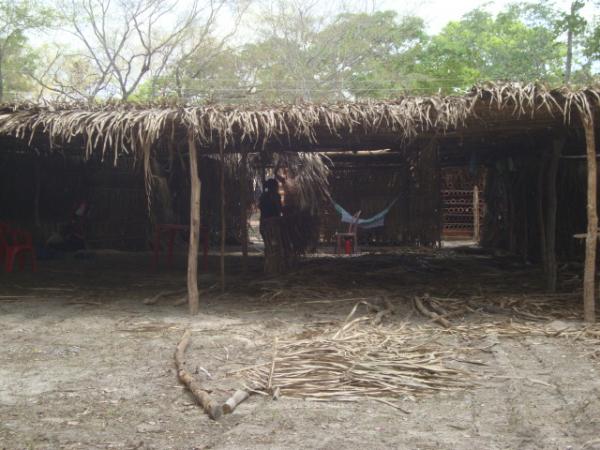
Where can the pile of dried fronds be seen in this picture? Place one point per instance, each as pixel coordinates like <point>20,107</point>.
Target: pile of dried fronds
<point>360,360</point>
<point>510,316</point>
<point>309,175</point>
<point>576,332</point>
<point>306,176</point>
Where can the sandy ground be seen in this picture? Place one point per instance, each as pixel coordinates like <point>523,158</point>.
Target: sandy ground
<point>84,364</point>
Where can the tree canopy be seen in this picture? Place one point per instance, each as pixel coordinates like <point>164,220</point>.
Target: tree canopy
<point>285,50</point>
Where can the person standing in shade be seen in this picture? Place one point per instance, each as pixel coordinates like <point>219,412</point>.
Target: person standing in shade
<point>269,203</point>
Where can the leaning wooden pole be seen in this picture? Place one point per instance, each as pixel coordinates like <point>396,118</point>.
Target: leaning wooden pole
<point>223,228</point>
<point>244,208</point>
<point>192,271</point>
<point>589,297</point>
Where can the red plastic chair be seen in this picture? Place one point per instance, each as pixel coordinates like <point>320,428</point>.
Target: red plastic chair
<point>171,230</point>
<point>16,243</point>
<point>349,239</point>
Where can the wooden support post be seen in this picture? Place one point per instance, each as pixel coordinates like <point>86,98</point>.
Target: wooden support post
<point>551,205</point>
<point>540,210</point>
<point>244,208</point>
<point>589,297</point>
<point>525,243</point>
<point>192,271</point>
<point>512,238</point>
<point>37,174</point>
<point>476,214</point>
<point>223,227</point>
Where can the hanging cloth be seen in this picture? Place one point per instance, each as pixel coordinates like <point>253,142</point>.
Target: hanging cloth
<point>372,222</point>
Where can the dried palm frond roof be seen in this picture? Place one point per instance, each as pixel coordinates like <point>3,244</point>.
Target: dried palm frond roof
<point>113,129</point>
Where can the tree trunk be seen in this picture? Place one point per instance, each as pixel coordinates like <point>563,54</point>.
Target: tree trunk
<point>192,272</point>
<point>551,267</point>
<point>1,76</point>
<point>569,61</point>
<point>244,209</point>
<point>589,276</point>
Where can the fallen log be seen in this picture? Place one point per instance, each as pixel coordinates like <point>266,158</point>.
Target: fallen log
<point>210,407</point>
<point>432,315</point>
<point>238,397</point>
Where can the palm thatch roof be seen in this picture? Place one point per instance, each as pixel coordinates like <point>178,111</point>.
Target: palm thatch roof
<point>115,129</point>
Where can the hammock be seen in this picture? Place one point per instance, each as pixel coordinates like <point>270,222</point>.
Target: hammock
<point>372,222</point>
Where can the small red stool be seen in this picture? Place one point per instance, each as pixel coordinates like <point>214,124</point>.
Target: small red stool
<point>15,243</point>
<point>349,246</point>
<point>172,230</point>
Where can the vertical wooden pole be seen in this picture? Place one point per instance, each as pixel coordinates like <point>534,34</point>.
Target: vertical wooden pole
<point>223,228</point>
<point>244,208</point>
<point>512,240</point>
<point>37,174</point>
<point>192,271</point>
<point>551,205</point>
<point>476,214</point>
<point>589,275</point>
<point>525,244</point>
<point>540,210</point>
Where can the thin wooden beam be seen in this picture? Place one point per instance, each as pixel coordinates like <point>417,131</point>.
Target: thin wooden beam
<point>589,275</point>
<point>244,209</point>
<point>195,190</point>
<point>223,227</point>
<point>476,214</point>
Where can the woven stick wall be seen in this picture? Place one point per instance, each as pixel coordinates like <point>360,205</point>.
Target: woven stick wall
<point>425,226</point>
<point>369,189</point>
<point>415,218</point>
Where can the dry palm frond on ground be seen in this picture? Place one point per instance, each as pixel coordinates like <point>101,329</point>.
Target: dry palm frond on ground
<point>358,361</point>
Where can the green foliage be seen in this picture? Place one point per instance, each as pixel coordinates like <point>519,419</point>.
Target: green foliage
<point>16,57</point>
<point>296,53</point>
<point>519,44</point>
<point>375,53</point>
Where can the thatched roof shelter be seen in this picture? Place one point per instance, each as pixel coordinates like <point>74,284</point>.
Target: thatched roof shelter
<point>114,129</point>
<point>491,119</point>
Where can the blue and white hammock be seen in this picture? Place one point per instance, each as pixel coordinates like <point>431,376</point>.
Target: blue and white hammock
<point>378,220</point>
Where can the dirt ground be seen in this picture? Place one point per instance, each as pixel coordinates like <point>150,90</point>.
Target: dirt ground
<point>85,364</point>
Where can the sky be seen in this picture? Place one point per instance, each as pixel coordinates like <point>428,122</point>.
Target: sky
<point>436,13</point>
